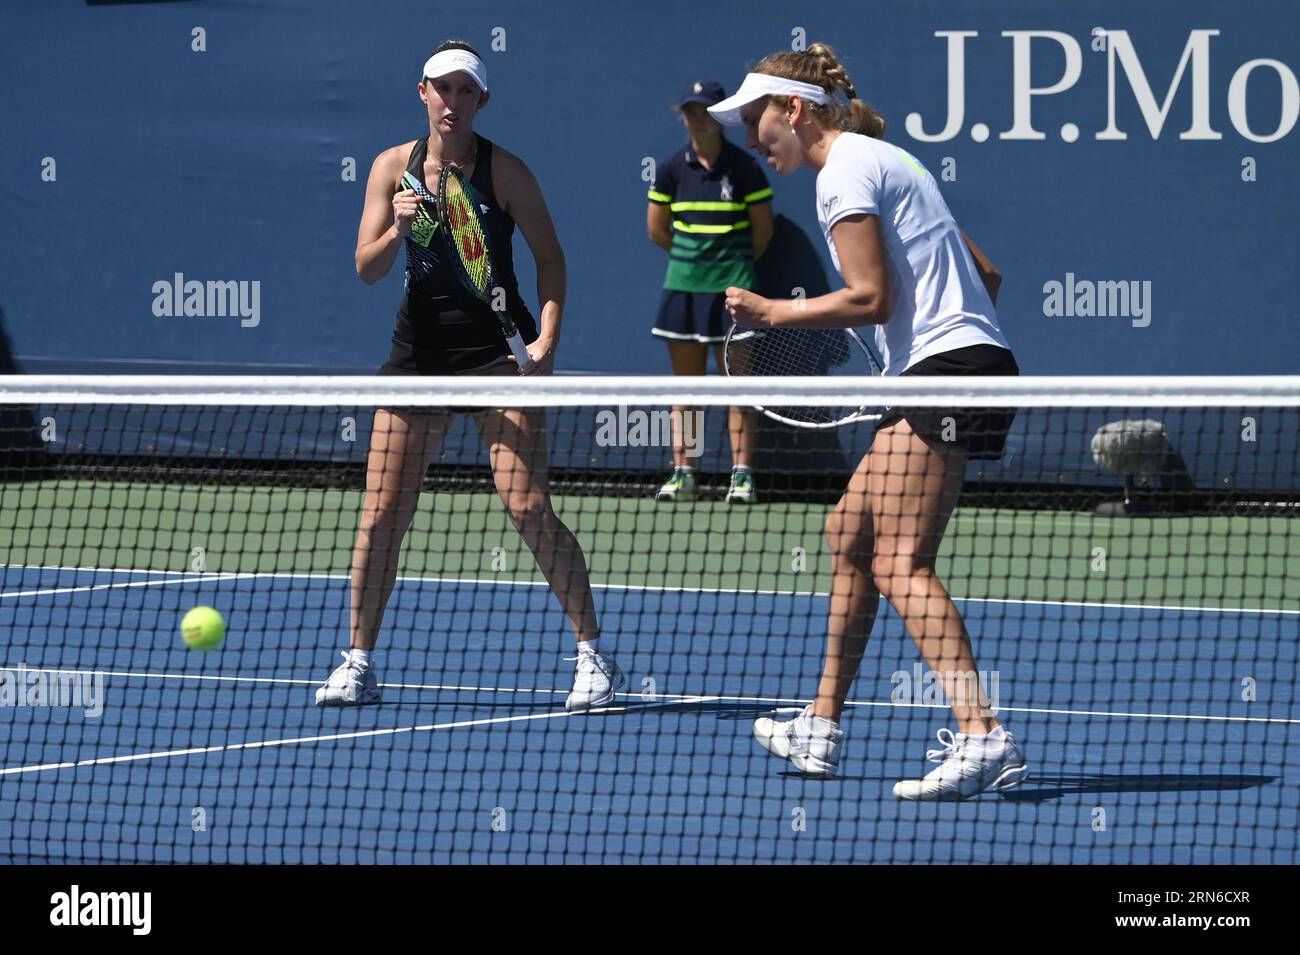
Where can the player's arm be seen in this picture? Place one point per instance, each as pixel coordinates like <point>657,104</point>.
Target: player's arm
<point>659,216</point>
<point>524,202</point>
<point>864,300</point>
<point>860,246</point>
<point>761,225</point>
<point>386,218</point>
<point>989,274</point>
<point>659,223</point>
<point>756,193</point>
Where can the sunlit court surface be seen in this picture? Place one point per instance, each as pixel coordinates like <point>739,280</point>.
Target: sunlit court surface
<point>660,435</point>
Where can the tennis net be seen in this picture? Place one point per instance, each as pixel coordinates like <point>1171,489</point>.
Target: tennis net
<point>1128,571</point>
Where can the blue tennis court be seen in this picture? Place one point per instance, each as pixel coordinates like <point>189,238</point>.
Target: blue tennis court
<point>1137,719</point>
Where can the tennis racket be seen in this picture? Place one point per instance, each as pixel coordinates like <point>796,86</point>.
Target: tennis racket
<point>768,352</point>
<point>465,235</point>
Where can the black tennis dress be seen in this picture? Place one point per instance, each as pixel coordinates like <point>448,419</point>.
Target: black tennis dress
<point>442,329</point>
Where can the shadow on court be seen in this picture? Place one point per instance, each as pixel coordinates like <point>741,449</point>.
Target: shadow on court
<point>1041,787</point>
<point>1062,786</point>
<point>719,710</point>
<point>395,702</point>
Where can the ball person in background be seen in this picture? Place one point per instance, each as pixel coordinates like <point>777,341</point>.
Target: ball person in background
<point>711,211</point>
<point>443,330</point>
<point>910,272</point>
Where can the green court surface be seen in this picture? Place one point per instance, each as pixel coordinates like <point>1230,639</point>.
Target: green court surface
<point>992,553</point>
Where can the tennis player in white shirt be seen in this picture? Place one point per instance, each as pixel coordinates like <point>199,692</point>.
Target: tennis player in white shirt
<point>910,272</point>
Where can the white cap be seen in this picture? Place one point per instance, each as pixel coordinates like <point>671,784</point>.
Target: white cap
<point>758,85</point>
<point>450,61</point>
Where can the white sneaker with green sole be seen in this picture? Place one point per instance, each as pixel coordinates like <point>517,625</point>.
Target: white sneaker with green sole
<point>742,490</point>
<point>679,487</point>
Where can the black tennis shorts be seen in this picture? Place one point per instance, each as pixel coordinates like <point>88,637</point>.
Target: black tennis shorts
<point>444,335</point>
<point>982,432</point>
<point>498,367</point>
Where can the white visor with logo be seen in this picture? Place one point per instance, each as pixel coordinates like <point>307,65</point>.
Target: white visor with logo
<point>758,85</point>
<point>451,61</point>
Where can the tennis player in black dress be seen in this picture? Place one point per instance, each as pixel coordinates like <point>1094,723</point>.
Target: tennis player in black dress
<point>442,329</point>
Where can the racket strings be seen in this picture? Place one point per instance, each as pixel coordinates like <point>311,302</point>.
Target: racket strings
<point>794,351</point>
<point>799,352</point>
<point>467,234</point>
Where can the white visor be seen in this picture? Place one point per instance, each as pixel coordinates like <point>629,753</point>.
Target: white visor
<point>758,85</point>
<point>450,61</point>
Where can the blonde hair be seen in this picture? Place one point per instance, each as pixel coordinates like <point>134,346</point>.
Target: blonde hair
<point>820,66</point>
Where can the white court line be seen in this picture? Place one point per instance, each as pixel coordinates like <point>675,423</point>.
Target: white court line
<point>124,585</point>
<point>97,570</point>
<point>1121,606</point>
<point>490,581</point>
<point>275,681</point>
<point>667,698</point>
<point>327,738</point>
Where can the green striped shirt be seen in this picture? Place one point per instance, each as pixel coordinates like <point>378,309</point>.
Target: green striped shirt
<point>712,245</point>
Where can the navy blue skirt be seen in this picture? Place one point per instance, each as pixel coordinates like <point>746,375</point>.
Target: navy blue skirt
<point>692,317</point>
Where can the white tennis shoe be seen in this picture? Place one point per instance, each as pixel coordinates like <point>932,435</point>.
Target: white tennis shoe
<point>680,486</point>
<point>741,490</point>
<point>596,679</point>
<point>812,745</point>
<point>352,684</point>
<point>968,767</point>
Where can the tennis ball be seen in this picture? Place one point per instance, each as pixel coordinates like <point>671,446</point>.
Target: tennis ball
<point>203,629</point>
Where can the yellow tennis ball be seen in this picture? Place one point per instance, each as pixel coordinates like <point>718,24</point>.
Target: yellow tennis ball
<point>203,629</point>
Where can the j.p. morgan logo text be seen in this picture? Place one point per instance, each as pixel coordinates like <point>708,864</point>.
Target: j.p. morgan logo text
<point>76,907</point>
<point>1117,53</point>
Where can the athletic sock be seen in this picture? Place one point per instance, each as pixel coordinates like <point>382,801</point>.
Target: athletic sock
<point>820,725</point>
<point>990,743</point>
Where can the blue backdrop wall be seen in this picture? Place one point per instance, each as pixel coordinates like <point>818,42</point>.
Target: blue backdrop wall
<point>129,156</point>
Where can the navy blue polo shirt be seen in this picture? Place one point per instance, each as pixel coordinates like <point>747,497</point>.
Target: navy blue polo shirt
<point>712,239</point>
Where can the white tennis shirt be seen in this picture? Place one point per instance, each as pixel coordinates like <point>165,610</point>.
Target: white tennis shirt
<point>939,302</point>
